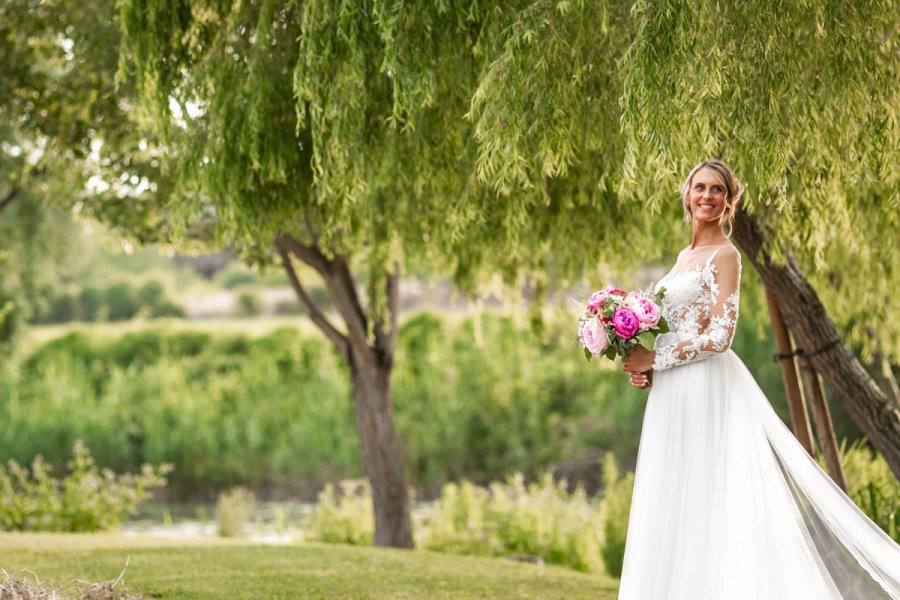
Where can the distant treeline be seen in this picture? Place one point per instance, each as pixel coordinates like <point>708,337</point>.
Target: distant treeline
<point>477,399</point>
<point>116,302</point>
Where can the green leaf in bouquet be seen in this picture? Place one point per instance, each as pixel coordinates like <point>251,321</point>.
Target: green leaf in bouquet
<point>659,295</point>
<point>646,340</point>
<point>662,326</point>
<point>587,354</point>
<point>610,352</point>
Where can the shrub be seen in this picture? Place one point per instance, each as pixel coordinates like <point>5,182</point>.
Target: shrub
<point>276,410</point>
<point>62,309</point>
<point>872,485</point>
<point>150,294</point>
<point>188,343</point>
<point>9,323</point>
<point>86,500</point>
<point>234,509</point>
<point>120,302</point>
<point>456,521</point>
<point>616,510</point>
<point>166,308</point>
<point>346,519</point>
<point>287,307</point>
<point>248,304</point>
<point>541,519</point>
<point>273,278</point>
<point>90,303</point>
<point>138,348</point>
<point>234,277</point>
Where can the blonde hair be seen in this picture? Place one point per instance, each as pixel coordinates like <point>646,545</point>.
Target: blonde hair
<point>734,191</point>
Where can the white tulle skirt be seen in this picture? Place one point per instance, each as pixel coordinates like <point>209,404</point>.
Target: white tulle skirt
<point>729,506</point>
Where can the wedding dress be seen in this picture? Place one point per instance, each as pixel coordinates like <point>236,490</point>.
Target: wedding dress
<point>727,504</point>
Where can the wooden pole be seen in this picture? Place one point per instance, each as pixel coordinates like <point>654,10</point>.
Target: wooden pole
<point>796,401</point>
<point>824,426</point>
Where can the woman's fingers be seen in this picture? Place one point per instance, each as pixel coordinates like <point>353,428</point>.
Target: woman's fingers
<point>639,380</point>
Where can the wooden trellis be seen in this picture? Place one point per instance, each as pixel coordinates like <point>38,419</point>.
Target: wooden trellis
<point>786,356</point>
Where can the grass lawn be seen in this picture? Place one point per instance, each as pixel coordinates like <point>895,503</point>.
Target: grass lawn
<point>162,568</point>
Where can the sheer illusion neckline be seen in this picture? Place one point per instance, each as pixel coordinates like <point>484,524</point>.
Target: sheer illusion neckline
<point>696,264</point>
<point>722,245</point>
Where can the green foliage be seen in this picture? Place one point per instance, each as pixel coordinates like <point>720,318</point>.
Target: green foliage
<point>499,398</point>
<point>116,302</point>
<point>801,100</point>
<point>540,520</point>
<point>234,510</point>
<point>27,256</point>
<point>345,519</point>
<point>872,485</point>
<point>507,138</point>
<point>473,399</point>
<point>86,499</point>
<point>248,303</point>
<point>226,410</point>
<point>233,277</point>
<point>616,510</point>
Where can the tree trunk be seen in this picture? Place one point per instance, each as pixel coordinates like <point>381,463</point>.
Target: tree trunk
<point>381,451</point>
<point>371,362</point>
<point>817,336</point>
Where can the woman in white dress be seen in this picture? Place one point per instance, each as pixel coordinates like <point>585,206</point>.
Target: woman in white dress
<point>727,504</point>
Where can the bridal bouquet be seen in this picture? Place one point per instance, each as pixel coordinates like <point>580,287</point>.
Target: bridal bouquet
<point>614,322</point>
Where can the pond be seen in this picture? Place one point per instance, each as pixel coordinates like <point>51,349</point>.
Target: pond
<point>272,522</point>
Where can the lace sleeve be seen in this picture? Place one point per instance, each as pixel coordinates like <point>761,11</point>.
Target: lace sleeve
<point>715,314</point>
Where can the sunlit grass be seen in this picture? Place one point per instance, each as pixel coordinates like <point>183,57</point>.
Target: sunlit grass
<point>217,569</point>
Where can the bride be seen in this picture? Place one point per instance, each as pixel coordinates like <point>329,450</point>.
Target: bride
<point>727,504</point>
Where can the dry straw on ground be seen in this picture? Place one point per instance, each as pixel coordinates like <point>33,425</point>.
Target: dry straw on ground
<point>25,585</point>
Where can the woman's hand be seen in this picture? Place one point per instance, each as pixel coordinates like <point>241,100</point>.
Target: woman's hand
<point>640,380</point>
<point>638,360</point>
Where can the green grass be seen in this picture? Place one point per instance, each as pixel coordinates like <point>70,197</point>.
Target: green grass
<point>159,568</point>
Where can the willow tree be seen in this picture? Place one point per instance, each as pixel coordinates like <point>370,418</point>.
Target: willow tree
<point>312,127</point>
<point>345,133</point>
<point>64,123</point>
<point>802,99</point>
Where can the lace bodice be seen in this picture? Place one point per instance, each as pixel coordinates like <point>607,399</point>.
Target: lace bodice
<point>700,305</point>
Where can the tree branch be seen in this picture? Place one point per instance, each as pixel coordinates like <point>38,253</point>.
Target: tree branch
<point>8,198</point>
<point>346,300</point>
<point>308,254</point>
<point>339,282</point>
<point>316,315</point>
<point>386,331</point>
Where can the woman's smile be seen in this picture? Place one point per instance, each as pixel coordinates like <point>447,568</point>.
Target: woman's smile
<point>707,195</point>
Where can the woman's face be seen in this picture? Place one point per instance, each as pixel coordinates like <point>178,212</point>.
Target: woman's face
<point>707,196</point>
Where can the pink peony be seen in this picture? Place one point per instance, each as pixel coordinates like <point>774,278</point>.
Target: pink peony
<point>595,304</point>
<point>625,322</point>
<point>593,336</point>
<point>647,313</point>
